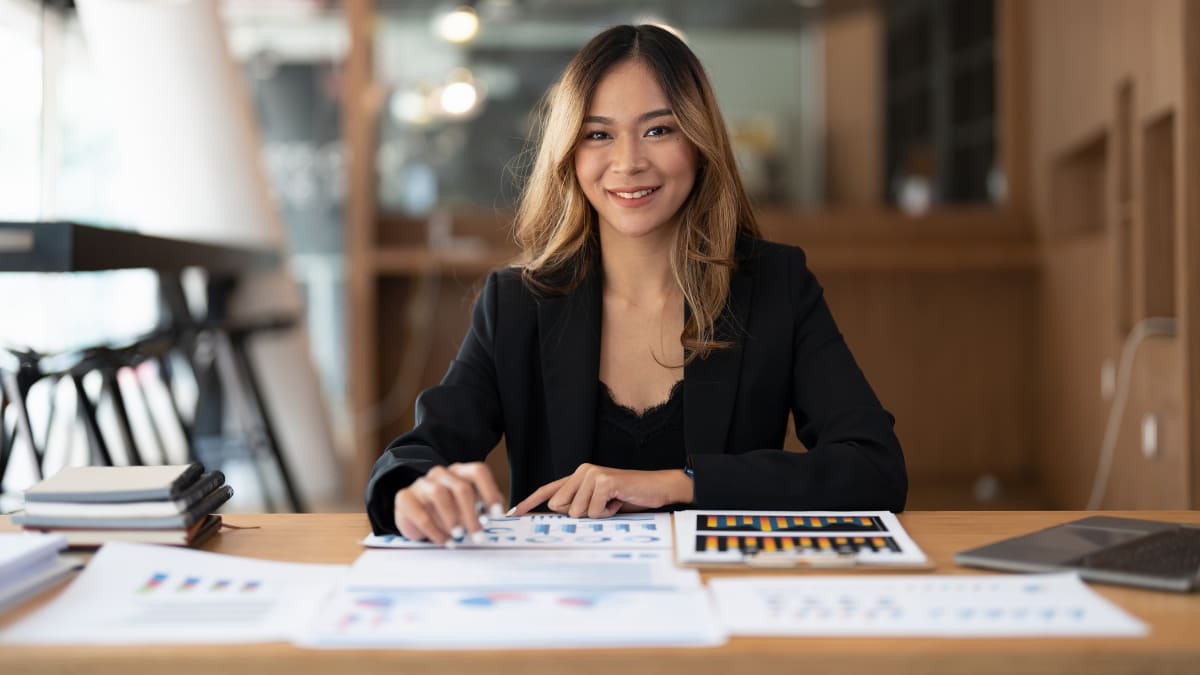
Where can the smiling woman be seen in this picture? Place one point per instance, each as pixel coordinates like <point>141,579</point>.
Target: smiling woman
<point>650,348</point>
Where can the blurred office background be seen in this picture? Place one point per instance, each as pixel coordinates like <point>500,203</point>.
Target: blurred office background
<point>991,191</point>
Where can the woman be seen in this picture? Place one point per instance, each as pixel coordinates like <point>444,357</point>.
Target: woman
<point>650,348</point>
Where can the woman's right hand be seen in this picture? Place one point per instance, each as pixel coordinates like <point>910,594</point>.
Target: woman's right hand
<point>444,505</point>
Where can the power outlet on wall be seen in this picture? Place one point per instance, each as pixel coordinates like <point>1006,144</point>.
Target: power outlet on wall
<point>1108,380</point>
<point>1150,436</point>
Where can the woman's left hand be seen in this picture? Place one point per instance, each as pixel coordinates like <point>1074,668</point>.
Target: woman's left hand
<point>599,492</point>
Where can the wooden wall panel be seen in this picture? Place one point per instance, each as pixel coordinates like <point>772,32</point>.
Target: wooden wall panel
<point>948,354</point>
<point>853,112</point>
<point>1152,482</point>
<point>1188,249</point>
<point>1085,55</point>
<point>358,130</point>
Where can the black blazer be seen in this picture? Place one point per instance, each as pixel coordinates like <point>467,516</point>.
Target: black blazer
<point>529,365</point>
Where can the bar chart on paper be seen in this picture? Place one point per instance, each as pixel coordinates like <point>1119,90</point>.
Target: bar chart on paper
<point>869,537</point>
<point>627,531</point>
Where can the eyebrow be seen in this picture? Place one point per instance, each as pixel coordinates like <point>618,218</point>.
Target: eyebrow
<point>661,112</point>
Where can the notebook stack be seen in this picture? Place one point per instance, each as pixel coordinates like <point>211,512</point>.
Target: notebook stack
<point>91,505</point>
<point>28,564</point>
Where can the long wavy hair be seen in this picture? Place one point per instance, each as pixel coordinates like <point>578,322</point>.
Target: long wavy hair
<point>556,226</point>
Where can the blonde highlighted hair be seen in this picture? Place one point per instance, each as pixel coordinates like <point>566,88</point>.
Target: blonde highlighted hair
<point>556,226</point>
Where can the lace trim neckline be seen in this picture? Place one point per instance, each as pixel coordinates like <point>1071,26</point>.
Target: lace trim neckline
<point>648,412</point>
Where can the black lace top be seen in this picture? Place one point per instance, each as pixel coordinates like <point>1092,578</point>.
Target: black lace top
<point>651,440</point>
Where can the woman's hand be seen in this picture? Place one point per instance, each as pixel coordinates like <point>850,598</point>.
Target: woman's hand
<point>444,505</point>
<point>599,492</point>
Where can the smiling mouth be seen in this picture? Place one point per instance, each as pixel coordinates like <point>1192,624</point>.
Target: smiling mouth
<point>635,194</point>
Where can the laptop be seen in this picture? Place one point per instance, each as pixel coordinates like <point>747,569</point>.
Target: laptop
<point>1128,551</point>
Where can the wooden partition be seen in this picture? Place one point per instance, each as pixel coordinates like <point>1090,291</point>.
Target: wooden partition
<point>1109,165</point>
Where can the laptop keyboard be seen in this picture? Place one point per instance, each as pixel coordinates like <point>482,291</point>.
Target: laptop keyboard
<point>1171,553</point>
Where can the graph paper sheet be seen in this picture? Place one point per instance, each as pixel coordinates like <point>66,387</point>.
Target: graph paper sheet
<point>1035,605</point>
<point>842,537</point>
<point>548,531</point>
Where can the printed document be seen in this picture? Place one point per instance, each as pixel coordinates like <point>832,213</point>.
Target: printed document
<point>507,599</point>
<point>935,605</point>
<point>550,531</point>
<point>145,594</point>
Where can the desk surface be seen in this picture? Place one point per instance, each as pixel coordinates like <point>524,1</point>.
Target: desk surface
<point>1172,646</point>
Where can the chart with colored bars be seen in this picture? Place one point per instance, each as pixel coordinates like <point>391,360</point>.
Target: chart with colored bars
<point>874,537</point>
<point>626,531</point>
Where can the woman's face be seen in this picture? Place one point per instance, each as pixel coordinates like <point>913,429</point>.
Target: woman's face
<point>634,164</point>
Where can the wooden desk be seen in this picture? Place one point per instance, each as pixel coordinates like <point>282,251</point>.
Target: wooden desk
<point>1172,646</point>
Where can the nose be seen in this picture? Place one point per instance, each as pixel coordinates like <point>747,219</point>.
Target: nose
<point>628,156</point>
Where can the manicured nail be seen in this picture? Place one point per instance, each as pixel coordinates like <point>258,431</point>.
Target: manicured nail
<point>478,537</point>
<point>497,511</point>
<point>483,520</point>
<point>458,532</point>
<point>511,511</point>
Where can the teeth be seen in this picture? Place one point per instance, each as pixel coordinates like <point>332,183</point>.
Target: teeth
<point>635,195</point>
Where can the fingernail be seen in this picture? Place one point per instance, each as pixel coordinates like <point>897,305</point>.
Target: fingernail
<point>450,543</point>
<point>497,511</point>
<point>478,537</point>
<point>483,520</point>
<point>511,511</point>
<point>458,532</point>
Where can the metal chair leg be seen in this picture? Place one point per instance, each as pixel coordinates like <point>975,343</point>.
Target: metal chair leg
<point>87,412</point>
<point>16,396</point>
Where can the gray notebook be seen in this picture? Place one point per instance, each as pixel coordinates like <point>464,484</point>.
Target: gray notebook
<point>115,483</point>
<point>211,502</point>
<point>1128,551</point>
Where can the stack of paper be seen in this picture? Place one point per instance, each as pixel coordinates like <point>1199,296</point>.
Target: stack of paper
<point>136,594</point>
<point>92,505</point>
<point>28,564</point>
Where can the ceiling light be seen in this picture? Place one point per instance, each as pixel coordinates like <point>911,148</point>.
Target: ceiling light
<point>459,98</point>
<point>458,25</point>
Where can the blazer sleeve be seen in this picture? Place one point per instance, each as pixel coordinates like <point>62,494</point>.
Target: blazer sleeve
<point>458,420</point>
<point>854,460</point>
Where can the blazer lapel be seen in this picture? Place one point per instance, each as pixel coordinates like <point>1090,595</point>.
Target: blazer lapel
<point>710,385</point>
<point>569,333</point>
